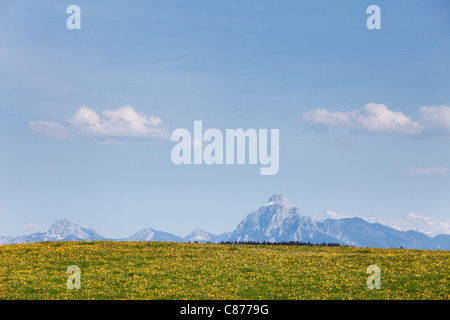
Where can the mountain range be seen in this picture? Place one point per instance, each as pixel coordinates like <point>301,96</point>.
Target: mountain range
<point>409,221</point>
<point>279,221</point>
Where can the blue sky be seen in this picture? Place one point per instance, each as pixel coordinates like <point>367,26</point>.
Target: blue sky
<point>364,115</point>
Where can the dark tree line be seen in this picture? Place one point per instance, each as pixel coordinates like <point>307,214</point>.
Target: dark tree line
<point>284,243</point>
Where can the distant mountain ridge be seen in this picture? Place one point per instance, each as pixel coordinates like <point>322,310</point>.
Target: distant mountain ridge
<point>276,221</point>
<point>426,225</point>
<point>408,222</point>
<point>60,230</point>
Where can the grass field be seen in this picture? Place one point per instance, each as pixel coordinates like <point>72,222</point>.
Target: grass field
<point>158,270</point>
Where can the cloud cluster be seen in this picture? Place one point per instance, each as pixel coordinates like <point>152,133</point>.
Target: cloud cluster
<point>124,122</point>
<point>378,118</point>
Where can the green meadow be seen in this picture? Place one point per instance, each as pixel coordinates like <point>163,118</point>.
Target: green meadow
<point>165,270</point>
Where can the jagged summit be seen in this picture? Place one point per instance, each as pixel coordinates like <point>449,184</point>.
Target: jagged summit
<point>277,220</point>
<point>63,228</point>
<point>151,234</point>
<point>59,223</point>
<point>279,199</point>
<point>200,235</point>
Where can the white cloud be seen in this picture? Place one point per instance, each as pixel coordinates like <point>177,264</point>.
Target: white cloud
<point>50,129</point>
<point>435,120</point>
<point>124,122</point>
<point>375,118</point>
<point>378,118</point>
<point>427,171</point>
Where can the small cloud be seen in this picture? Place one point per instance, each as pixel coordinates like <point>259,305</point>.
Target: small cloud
<point>50,129</point>
<point>123,122</point>
<point>378,118</point>
<point>374,118</point>
<point>426,171</point>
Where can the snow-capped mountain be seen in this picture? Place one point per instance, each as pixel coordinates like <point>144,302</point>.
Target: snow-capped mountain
<point>60,230</point>
<point>5,240</point>
<point>199,235</point>
<point>336,216</point>
<point>360,233</point>
<point>426,225</point>
<point>330,215</point>
<point>278,221</point>
<point>408,222</point>
<point>150,234</point>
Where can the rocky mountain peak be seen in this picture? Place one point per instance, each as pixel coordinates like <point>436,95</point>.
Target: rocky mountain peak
<point>279,199</point>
